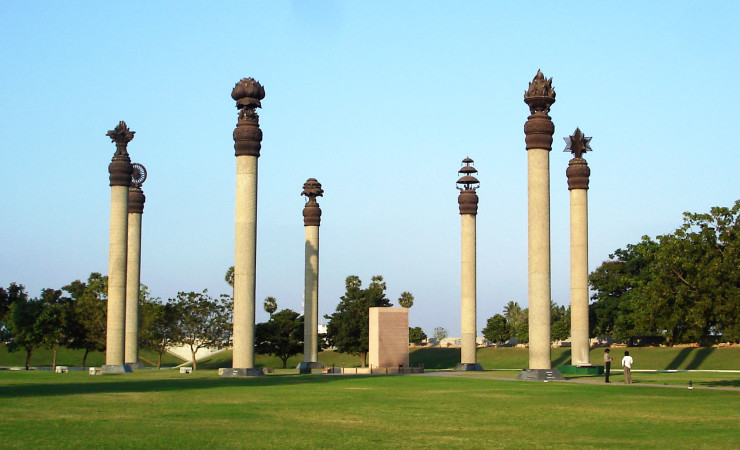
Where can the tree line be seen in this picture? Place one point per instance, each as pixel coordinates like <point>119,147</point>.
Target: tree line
<point>681,287</point>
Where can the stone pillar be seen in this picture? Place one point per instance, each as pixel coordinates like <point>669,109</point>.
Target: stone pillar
<point>578,174</point>
<point>311,222</point>
<point>136,201</point>
<point>539,130</point>
<point>468,204</point>
<point>120,170</point>
<point>247,144</point>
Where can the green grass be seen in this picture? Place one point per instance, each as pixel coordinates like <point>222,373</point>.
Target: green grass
<point>165,409</point>
<point>69,357</point>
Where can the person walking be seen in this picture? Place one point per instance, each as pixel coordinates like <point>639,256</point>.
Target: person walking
<point>607,365</point>
<point>627,364</point>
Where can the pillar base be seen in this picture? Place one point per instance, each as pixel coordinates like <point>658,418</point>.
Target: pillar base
<point>113,368</point>
<point>468,367</point>
<point>306,366</point>
<point>540,375</point>
<point>135,366</point>
<point>231,372</point>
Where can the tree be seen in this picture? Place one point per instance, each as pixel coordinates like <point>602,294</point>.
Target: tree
<point>497,329</point>
<point>52,323</point>
<point>281,336</point>
<point>204,321</point>
<point>440,333</point>
<point>87,323</point>
<point>559,322</point>
<point>616,285</point>
<point>159,326</point>
<point>684,286</point>
<point>7,298</point>
<point>417,335</point>
<point>24,328</point>
<point>347,329</point>
<point>270,305</point>
<point>518,321</point>
<point>229,277</point>
<point>406,300</point>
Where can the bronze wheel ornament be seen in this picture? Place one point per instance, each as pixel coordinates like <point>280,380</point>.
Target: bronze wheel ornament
<point>138,175</point>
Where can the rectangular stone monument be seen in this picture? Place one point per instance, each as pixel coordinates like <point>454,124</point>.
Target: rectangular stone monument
<point>389,337</point>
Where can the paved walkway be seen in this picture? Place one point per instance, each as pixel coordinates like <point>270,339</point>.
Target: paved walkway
<point>576,381</point>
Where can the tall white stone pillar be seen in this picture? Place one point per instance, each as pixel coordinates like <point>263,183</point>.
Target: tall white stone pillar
<point>578,174</point>
<point>247,144</point>
<point>468,204</point>
<point>136,201</point>
<point>311,222</point>
<point>120,170</point>
<point>539,130</point>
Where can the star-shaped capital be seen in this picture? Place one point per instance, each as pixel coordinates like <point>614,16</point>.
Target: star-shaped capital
<point>578,144</point>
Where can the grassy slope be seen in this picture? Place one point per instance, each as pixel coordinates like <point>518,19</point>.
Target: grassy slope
<point>158,409</point>
<point>432,358</point>
<point>67,357</point>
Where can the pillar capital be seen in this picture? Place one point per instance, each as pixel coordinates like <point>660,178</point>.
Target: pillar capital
<point>578,171</point>
<point>248,94</point>
<point>120,167</point>
<point>467,185</point>
<point>312,211</point>
<point>539,127</point>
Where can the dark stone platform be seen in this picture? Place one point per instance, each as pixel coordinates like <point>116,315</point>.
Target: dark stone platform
<point>231,372</point>
<point>540,375</point>
<point>468,367</point>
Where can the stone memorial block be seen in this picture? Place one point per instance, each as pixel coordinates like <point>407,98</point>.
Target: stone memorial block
<point>389,337</point>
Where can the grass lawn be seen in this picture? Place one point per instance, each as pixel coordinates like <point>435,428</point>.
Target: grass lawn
<point>166,409</point>
<point>42,357</point>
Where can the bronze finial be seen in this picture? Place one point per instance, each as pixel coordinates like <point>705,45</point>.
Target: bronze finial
<point>312,211</point>
<point>248,94</point>
<point>467,185</point>
<point>577,144</point>
<point>540,95</point>
<point>120,167</point>
<point>121,135</point>
<point>539,127</point>
<point>578,172</point>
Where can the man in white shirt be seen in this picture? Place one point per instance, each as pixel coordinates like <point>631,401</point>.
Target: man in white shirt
<point>627,364</point>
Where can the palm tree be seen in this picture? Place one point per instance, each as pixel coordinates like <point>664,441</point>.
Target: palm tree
<point>406,299</point>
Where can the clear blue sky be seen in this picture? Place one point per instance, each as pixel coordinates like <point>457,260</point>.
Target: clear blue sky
<point>380,101</point>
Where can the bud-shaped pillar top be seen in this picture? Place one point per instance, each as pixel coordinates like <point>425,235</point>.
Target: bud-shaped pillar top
<point>248,94</point>
<point>120,167</point>
<point>312,211</point>
<point>136,196</point>
<point>467,185</point>
<point>539,127</point>
<point>578,171</point>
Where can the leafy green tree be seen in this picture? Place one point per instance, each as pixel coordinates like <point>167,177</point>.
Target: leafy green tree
<point>87,322</point>
<point>406,300</point>
<point>497,329</point>
<point>52,323</point>
<point>160,326</point>
<point>440,333</point>
<point>417,335</point>
<point>616,284</point>
<point>559,322</point>
<point>347,329</point>
<point>684,286</point>
<point>229,277</point>
<point>517,319</point>
<point>24,328</point>
<point>281,336</point>
<point>270,305</point>
<point>8,297</point>
<point>204,321</point>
